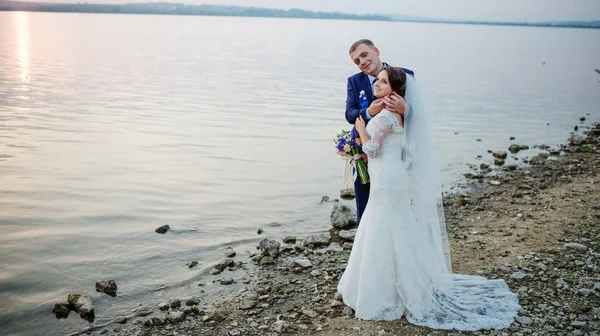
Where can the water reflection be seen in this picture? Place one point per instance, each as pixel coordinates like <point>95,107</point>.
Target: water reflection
<point>23,47</point>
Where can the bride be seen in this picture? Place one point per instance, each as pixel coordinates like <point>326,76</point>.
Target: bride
<point>400,261</point>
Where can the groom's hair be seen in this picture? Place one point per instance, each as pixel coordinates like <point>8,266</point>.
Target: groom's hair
<point>397,78</point>
<point>359,42</point>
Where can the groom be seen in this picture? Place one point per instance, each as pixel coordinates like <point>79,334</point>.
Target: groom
<point>361,101</point>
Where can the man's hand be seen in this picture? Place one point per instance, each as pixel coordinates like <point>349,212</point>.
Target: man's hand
<point>395,103</point>
<point>376,107</point>
<point>364,157</point>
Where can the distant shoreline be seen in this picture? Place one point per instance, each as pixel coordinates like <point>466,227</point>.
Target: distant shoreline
<point>236,11</point>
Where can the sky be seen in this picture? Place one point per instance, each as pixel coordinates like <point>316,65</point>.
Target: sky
<point>504,10</point>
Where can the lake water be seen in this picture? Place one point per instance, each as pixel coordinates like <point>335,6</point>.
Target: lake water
<point>113,125</point>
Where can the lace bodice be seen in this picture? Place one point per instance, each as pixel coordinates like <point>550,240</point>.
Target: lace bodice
<point>384,131</point>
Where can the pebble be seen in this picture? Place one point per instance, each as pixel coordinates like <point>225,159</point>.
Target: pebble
<point>524,320</point>
<point>576,246</point>
<point>519,276</point>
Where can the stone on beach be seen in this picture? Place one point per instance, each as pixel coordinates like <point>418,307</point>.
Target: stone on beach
<point>229,252</point>
<point>514,148</point>
<point>223,264</point>
<point>500,155</point>
<point>163,229</point>
<point>82,303</point>
<point>107,286</point>
<point>61,310</point>
<point>576,246</point>
<point>303,262</point>
<point>142,311</point>
<point>348,234</point>
<point>269,247</point>
<point>342,216</point>
<point>318,240</point>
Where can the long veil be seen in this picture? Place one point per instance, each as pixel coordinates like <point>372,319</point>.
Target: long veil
<point>420,158</point>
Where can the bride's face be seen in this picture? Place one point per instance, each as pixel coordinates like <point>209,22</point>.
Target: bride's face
<point>382,85</point>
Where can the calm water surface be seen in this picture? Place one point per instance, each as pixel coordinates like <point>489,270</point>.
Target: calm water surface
<point>112,125</point>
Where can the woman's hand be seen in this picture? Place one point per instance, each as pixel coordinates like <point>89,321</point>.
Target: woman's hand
<point>360,124</point>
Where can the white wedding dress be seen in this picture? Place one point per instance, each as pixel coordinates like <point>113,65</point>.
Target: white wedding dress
<point>393,271</point>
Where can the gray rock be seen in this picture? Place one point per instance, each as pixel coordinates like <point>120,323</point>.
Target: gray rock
<point>494,182</point>
<point>484,166</point>
<point>163,306</point>
<point>578,324</point>
<point>175,316</point>
<point>576,246</point>
<point>500,155</point>
<point>61,310</point>
<point>269,247</point>
<point>226,281</point>
<point>191,264</point>
<point>107,286</point>
<point>289,240</point>
<point>228,252</point>
<point>524,320</point>
<point>121,320</point>
<point>519,276</point>
<point>175,303</point>
<point>335,303</point>
<point>82,303</point>
<point>310,313</point>
<point>163,229</point>
<point>348,234</point>
<point>223,264</point>
<point>514,148</point>
<point>192,301</point>
<point>142,311</point>
<point>247,304</point>
<point>347,311</point>
<point>542,267</point>
<point>303,262</point>
<point>267,260</point>
<point>342,216</point>
<point>585,292</point>
<point>157,321</point>
<point>333,248</point>
<point>318,240</point>
<point>259,231</point>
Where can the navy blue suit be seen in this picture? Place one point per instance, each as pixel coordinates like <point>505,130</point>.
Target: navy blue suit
<point>357,105</point>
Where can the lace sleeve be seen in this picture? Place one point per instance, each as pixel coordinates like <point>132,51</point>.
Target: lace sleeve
<point>381,129</point>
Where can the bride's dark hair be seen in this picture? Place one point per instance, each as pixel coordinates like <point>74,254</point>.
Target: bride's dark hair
<point>397,78</point>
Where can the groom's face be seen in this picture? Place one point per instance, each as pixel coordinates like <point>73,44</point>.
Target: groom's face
<point>366,59</point>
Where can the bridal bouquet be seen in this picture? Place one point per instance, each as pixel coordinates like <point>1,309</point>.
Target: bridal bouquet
<point>347,144</point>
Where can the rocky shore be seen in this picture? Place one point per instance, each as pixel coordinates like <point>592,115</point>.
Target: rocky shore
<point>537,226</point>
